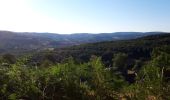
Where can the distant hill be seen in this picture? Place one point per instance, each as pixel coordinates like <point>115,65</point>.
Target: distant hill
<point>18,43</point>
<point>136,49</point>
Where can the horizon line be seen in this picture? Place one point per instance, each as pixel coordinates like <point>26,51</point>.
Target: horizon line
<point>84,32</point>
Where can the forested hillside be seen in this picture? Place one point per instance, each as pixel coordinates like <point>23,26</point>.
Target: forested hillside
<point>139,49</point>
<point>137,69</point>
<point>19,43</point>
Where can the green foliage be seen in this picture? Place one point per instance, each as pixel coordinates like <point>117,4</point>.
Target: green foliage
<point>8,58</point>
<point>161,57</point>
<point>87,81</point>
<point>151,82</point>
<point>120,61</point>
<point>68,81</point>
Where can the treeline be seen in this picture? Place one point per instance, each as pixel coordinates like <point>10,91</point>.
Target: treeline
<point>90,80</point>
<point>136,49</point>
<point>135,52</point>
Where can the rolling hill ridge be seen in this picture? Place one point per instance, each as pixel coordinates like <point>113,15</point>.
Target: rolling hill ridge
<point>17,42</point>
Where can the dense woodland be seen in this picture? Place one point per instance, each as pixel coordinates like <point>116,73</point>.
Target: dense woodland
<point>19,43</point>
<point>137,69</point>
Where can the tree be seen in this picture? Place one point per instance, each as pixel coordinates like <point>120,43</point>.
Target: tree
<point>8,58</point>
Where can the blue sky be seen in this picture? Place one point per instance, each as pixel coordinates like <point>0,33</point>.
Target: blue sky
<point>84,16</point>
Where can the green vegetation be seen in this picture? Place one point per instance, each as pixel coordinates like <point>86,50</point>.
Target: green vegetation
<point>136,49</point>
<point>20,43</point>
<point>86,81</point>
<point>122,70</point>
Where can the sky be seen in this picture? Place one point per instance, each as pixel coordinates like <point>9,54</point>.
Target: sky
<point>85,16</point>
